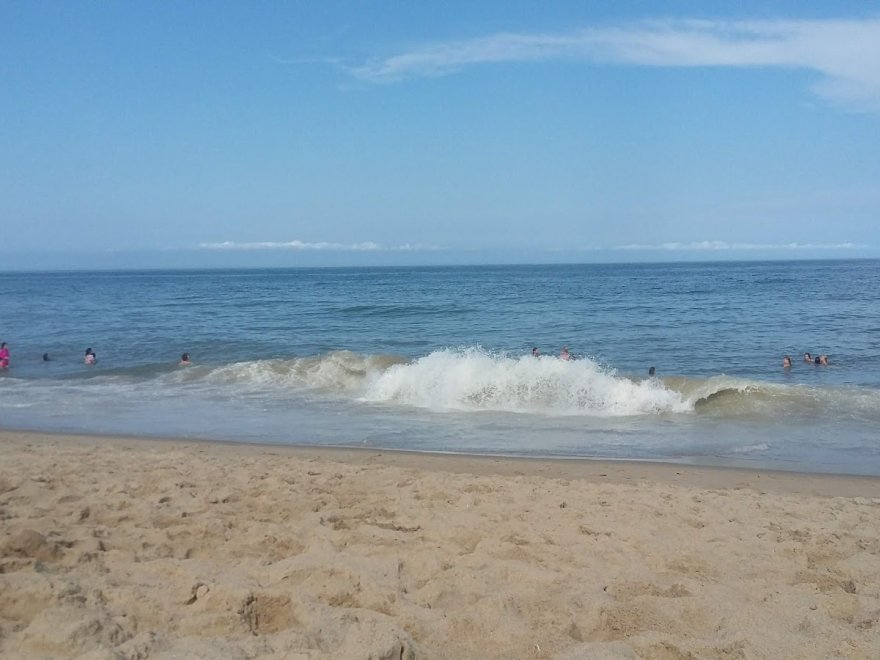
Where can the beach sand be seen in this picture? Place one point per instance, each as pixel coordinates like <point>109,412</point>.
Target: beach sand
<point>127,548</point>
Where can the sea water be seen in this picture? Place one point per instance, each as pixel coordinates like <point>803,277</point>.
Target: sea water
<point>440,359</point>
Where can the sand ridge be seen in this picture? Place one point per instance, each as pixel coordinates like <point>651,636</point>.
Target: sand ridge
<point>118,548</point>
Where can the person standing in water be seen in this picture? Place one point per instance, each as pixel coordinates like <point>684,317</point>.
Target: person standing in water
<point>786,362</point>
<point>184,360</point>
<point>90,357</point>
<point>565,355</point>
<point>4,355</point>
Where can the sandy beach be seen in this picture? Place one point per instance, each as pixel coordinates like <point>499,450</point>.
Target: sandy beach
<point>139,548</point>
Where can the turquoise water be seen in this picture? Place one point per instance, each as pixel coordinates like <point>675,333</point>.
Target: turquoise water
<point>440,359</point>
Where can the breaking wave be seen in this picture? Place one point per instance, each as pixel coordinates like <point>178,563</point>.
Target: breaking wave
<point>474,379</point>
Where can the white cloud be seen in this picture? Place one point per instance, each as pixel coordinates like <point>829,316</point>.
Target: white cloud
<point>367,246</point>
<point>845,53</point>
<point>724,245</point>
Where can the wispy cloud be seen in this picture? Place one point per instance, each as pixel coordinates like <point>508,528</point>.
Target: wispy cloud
<point>367,246</point>
<point>724,245</point>
<point>845,53</point>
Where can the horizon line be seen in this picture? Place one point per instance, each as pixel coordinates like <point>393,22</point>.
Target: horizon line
<point>657,262</point>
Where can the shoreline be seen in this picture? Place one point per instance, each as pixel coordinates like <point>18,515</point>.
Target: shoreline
<point>132,547</point>
<point>614,470</point>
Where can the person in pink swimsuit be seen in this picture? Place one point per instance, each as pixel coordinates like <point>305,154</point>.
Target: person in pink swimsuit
<point>4,356</point>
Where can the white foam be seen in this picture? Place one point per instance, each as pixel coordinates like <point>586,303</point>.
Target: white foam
<point>474,379</point>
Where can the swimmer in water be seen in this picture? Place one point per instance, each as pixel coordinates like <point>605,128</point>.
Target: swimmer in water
<point>786,362</point>
<point>90,357</point>
<point>184,360</point>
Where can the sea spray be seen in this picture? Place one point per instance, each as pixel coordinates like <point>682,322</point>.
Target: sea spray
<point>472,379</point>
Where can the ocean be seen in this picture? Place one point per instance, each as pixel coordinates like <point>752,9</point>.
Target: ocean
<point>440,359</point>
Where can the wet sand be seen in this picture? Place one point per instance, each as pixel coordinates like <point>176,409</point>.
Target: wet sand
<point>143,548</point>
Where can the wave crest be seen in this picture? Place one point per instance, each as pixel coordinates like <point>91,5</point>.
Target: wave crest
<point>337,371</point>
<point>475,379</point>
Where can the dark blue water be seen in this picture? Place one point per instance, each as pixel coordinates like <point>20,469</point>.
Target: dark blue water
<point>439,358</point>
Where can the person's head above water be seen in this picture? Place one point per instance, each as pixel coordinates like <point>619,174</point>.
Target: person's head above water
<point>808,357</point>
<point>652,371</point>
<point>786,362</point>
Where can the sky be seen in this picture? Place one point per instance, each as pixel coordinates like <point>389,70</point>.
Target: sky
<point>191,134</point>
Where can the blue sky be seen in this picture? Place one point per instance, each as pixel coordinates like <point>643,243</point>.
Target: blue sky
<point>186,133</point>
